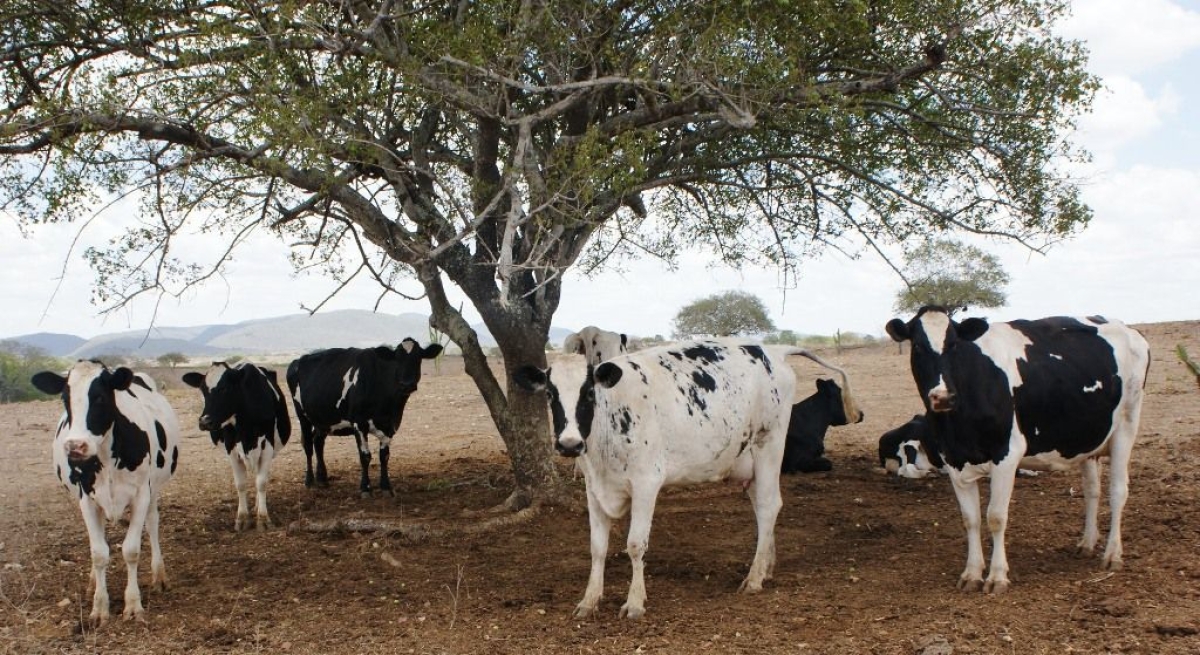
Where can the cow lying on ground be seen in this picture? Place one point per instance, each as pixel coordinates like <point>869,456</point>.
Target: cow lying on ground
<point>245,413</point>
<point>810,419</point>
<point>596,345</point>
<point>901,452</point>
<point>117,444</point>
<point>672,415</point>
<point>1046,394</point>
<point>344,391</point>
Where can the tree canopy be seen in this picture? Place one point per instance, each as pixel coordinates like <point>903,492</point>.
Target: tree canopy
<point>953,275</point>
<point>722,315</point>
<point>496,144</point>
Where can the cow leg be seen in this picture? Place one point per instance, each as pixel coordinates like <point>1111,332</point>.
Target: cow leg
<point>1091,505</point>
<point>131,551</point>
<point>307,440</point>
<point>238,464</point>
<point>262,475</point>
<point>967,494</point>
<point>362,439</point>
<point>1118,481</point>
<point>1003,479</point>
<point>319,448</point>
<point>641,514</point>
<point>767,503</point>
<point>385,453</point>
<point>158,568</point>
<point>99,547</point>
<point>600,524</point>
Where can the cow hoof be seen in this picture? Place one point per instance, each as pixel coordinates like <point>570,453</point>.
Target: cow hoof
<point>1113,564</point>
<point>748,587</point>
<point>264,525</point>
<point>969,585</point>
<point>584,611</point>
<point>97,619</point>
<point>365,494</point>
<point>389,492</point>
<point>240,525</point>
<point>134,613</point>
<point>633,612</point>
<point>996,586</point>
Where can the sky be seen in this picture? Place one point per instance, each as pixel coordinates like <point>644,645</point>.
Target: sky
<point>1138,260</point>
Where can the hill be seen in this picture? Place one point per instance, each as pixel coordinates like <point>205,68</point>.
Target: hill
<point>279,335</point>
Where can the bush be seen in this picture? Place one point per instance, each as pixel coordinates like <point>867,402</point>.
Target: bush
<point>18,363</point>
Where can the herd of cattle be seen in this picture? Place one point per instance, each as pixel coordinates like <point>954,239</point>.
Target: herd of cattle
<point>1045,394</point>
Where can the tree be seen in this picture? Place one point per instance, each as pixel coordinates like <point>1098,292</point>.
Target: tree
<point>723,315</point>
<point>495,145</point>
<point>953,275</point>
<point>18,363</point>
<point>171,359</point>
<point>785,337</point>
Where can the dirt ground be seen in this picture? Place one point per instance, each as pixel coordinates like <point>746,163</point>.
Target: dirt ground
<point>867,563</point>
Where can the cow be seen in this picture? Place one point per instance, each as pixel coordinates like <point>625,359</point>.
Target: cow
<point>596,345</point>
<point>810,418</point>
<point>344,391</point>
<point>246,414</point>
<point>672,415</point>
<point>1047,394</point>
<point>116,445</point>
<point>901,451</point>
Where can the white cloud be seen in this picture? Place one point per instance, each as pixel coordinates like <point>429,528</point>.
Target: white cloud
<point>1127,37</point>
<point>1123,113</point>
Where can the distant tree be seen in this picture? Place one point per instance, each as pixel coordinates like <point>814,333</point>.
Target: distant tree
<point>785,337</point>
<point>18,363</point>
<point>171,359</point>
<point>723,315</point>
<point>953,275</point>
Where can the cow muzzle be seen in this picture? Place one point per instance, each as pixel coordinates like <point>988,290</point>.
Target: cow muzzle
<point>941,400</point>
<point>207,423</point>
<point>569,449</point>
<point>78,450</point>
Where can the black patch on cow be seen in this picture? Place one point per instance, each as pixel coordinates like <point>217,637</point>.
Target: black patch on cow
<point>910,453</point>
<point>162,435</point>
<point>978,430</point>
<point>756,353</point>
<point>703,380</point>
<point>704,354</point>
<point>1070,386</point>
<point>137,379</point>
<point>634,366</point>
<point>130,444</point>
<point>1098,320</point>
<point>557,414</point>
<point>161,460</point>
<point>585,407</point>
<point>174,459</point>
<point>622,422</point>
<point>83,474</point>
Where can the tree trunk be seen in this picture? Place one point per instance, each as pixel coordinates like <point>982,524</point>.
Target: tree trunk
<point>520,417</point>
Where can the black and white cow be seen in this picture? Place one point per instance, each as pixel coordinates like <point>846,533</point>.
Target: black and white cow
<point>1043,394</point>
<point>117,444</point>
<point>354,391</point>
<point>902,450</point>
<point>596,345</point>
<point>672,415</point>
<point>804,451</point>
<point>246,414</point>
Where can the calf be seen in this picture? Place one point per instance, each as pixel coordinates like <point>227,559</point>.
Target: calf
<point>805,447</point>
<point>901,450</point>
<point>1045,394</point>
<point>245,413</point>
<point>117,444</point>
<point>354,391</point>
<point>595,345</point>
<point>672,415</point>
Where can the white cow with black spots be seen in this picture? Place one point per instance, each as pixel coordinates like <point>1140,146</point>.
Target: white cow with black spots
<point>117,444</point>
<point>672,415</point>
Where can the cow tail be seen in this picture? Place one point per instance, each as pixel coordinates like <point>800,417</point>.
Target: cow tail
<point>849,404</point>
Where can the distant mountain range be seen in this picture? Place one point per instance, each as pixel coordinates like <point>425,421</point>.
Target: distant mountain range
<point>281,335</point>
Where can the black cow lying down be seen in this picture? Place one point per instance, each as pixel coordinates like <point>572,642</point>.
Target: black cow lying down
<point>804,450</point>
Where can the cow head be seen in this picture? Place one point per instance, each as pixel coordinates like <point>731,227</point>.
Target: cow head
<point>935,340</point>
<point>572,399</point>
<point>596,344</point>
<point>89,391</point>
<point>408,356</point>
<point>221,387</point>
<point>831,393</point>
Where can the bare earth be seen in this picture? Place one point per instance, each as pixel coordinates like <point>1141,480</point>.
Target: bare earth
<point>867,563</point>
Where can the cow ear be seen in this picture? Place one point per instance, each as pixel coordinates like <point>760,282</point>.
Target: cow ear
<point>47,382</point>
<point>531,378</point>
<point>194,379</point>
<point>897,330</point>
<point>573,344</point>
<point>121,379</point>
<point>608,375</point>
<point>972,328</point>
<point>431,351</point>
